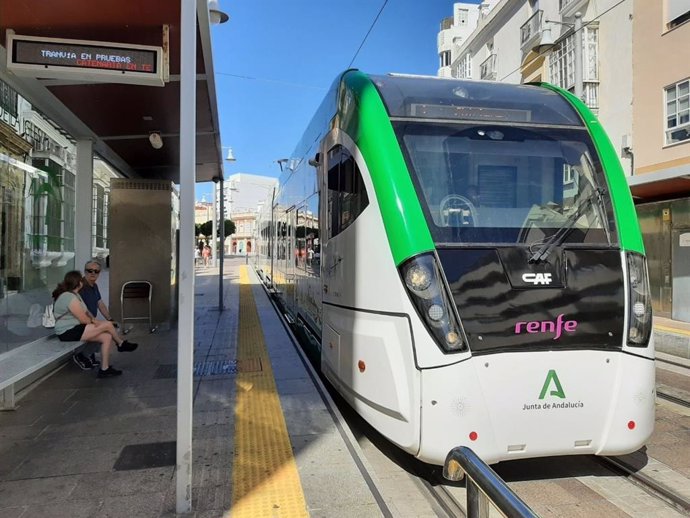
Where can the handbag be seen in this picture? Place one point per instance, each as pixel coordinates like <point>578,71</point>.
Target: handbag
<point>48,319</point>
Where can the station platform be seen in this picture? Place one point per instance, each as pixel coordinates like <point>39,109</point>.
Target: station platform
<point>264,441</point>
<point>267,440</point>
<point>672,337</point>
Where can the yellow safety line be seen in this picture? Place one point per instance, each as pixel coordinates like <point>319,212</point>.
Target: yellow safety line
<point>673,330</point>
<point>265,480</point>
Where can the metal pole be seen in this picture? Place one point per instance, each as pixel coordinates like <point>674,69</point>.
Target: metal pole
<point>578,56</point>
<point>271,238</point>
<point>83,232</point>
<point>477,505</point>
<point>185,335</point>
<point>214,230</point>
<point>222,242</point>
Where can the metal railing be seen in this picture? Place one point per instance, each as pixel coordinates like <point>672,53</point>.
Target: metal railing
<point>446,23</point>
<point>484,486</point>
<point>487,70</point>
<point>531,28</point>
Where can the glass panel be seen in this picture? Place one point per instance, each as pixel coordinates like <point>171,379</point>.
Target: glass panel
<point>300,240</point>
<point>684,88</point>
<point>503,185</point>
<point>671,94</point>
<point>671,108</point>
<point>333,198</point>
<point>684,117</point>
<point>34,254</point>
<point>671,122</point>
<point>683,103</point>
<point>591,52</point>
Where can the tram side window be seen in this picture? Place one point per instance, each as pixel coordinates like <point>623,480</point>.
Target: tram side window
<point>333,202</point>
<point>347,196</point>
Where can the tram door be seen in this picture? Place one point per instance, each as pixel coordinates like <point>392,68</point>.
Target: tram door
<point>331,257</point>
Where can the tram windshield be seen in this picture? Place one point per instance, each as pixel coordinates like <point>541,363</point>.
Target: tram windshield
<point>503,184</point>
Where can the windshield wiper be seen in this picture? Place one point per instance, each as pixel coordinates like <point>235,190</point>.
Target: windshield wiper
<point>569,224</point>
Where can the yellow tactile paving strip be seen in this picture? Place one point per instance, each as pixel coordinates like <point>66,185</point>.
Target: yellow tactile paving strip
<point>265,480</point>
<point>672,330</point>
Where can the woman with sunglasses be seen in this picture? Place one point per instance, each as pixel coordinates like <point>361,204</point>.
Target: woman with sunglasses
<point>74,322</point>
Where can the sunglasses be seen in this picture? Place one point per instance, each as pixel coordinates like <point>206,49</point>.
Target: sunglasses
<point>93,271</point>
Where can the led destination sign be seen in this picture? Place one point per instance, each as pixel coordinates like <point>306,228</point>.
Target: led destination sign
<point>91,61</point>
<point>84,56</point>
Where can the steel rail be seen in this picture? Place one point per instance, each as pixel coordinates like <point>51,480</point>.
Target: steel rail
<point>648,484</point>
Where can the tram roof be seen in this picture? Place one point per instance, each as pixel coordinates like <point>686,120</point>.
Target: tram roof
<point>117,117</point>
<point>423,97</point>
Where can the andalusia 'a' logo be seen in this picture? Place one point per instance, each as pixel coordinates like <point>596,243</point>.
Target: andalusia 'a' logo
<point>552,380</point>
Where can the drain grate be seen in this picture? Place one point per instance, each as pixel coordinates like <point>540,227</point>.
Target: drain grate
<point>212,368</point>
<point>216,368</point>
<point>144,456</point>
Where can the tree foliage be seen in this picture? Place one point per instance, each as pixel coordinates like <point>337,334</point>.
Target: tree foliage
<point>206,229</point>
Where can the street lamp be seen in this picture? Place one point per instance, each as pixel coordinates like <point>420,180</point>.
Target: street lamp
<point>229,158</point>
<point>216,16</point>
<point>546,43</point>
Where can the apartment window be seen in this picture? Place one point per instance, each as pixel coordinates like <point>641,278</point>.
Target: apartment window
<point>677,12</point>
<point>678,112</point>
<point>568,174</point>
<point>462,17</point>
<point>8,100</point>
<point>465,67</point>
<point>562,65</point>
<point>445,58</point>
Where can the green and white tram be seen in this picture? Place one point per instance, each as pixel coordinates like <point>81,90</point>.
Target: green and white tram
<point>467,253</point>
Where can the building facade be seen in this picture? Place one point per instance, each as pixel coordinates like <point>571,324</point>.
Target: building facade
<point>509,43</point>
<point>203,212</point>
<point>38,215</point>
<point>245,194</point>
<point>661,148</point>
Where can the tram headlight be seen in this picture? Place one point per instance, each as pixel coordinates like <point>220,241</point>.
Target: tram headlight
<point>435,312</point>
<point>639,301</point>
<point>418,278</point>
<point>424,283</point>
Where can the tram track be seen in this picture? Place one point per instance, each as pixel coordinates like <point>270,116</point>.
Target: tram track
<point>675,364</point>
<point>673,395</point>
<point>651,486</point>
<point>445,498</point>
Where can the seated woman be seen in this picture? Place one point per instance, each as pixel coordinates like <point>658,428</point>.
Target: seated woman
<point>73,322</point>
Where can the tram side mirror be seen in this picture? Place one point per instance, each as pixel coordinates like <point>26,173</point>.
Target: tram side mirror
<point>314,162</point>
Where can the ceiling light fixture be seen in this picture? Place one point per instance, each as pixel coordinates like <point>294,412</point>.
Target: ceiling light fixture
<point>155,140</point>
<point>216,16</point>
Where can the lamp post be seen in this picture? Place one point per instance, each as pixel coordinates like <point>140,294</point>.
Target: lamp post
<point>221,231</point>
<point>189,13</point>
<point>214,225</point>
<point>546,43</point>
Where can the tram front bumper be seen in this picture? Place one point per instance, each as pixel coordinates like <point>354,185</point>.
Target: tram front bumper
<point>512,405</point>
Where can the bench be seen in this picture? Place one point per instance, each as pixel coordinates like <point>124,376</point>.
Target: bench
<point>19,363</point>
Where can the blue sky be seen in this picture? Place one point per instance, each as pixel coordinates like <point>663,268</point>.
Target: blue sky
<point>275,59</point>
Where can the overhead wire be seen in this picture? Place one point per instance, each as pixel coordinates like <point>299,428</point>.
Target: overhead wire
<point>301,85</point>
<point>367,34</point>
<point>268,80</point>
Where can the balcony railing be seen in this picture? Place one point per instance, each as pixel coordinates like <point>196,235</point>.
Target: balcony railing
<point>568,8</point>
<point>531,29</point>
<point>447,23</point>
<point>487,70</point>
